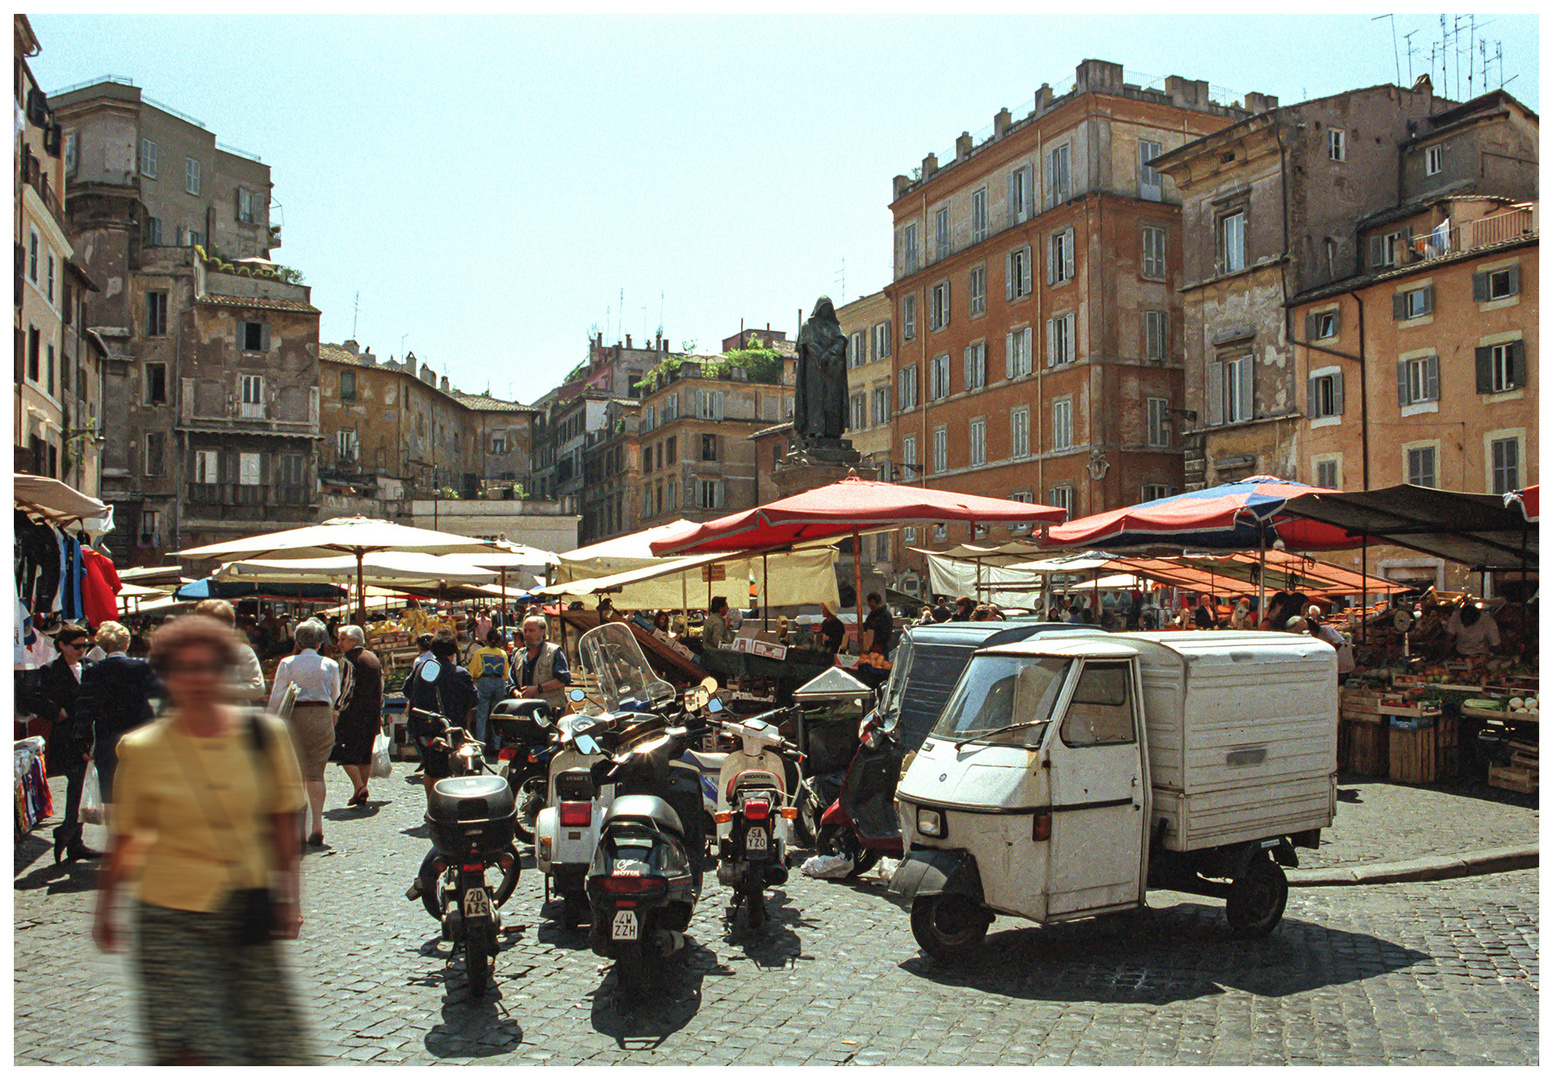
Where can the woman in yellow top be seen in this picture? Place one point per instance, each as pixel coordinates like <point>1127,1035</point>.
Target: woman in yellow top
<point>206,810</point>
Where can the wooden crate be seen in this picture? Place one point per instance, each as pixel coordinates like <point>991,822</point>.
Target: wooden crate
<point>1368,748</point>
<point>1412,759</point>
<point>1513,778</point>
<point>1447,747</point>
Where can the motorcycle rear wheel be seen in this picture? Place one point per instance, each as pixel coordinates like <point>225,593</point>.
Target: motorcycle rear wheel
<point>479,959</point>
<point>530,796</point>
<point>835,840</point>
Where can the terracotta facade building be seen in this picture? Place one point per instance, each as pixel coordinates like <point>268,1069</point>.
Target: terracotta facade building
<point>1037,332</point>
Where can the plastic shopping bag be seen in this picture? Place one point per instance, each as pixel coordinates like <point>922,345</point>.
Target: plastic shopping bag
<point>91,797</point>
<point>382,766</point>
<point>827,866</point>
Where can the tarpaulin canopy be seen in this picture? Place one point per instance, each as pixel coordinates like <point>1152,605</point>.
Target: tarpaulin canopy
<point>845,507</point>
<point>209,589</point>
<point>784,580</point>
<point>53,500</point>
<point>1465,527</point>
<point>1241,515</point>
<point>622,552</point>
<point>404,569</point>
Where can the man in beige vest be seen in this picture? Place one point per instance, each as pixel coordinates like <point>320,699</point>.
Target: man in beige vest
<point>543,672</point>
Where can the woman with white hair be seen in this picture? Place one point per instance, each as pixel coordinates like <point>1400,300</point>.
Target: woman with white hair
<point>317,680</point>
<point>361,709</point>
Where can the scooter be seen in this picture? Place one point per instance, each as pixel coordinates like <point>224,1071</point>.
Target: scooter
<point>645,874</point>
<point>566,828</point>
<point>860,823</point>
<point>471,818</point>
<point>753,811</point>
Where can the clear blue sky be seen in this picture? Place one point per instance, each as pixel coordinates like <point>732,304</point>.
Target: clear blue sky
<point>490,185</point>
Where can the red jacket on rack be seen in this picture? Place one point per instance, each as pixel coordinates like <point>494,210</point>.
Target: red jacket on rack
<point>100,587</point>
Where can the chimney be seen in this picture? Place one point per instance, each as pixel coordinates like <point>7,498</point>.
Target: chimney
<point>445,388</point>
<point>962,146</point>
<point>1043,98</point>
<point>350,347</point>
<point>1099,76</point>
<point>1001,123</point>
<point>929,165</point>
<point>1187,93</point>
<point>1259,103</point>
<point>898,186</point>
<point>628,341</point>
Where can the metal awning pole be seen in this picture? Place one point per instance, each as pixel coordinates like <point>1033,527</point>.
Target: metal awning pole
<point>361,589</point>
<point>857,587</point>
<point>1261,581</point>
<point>1364,604</point>
<point>765,593</point>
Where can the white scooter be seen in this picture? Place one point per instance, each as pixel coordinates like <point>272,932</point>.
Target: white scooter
<point>567,829</point>
<point>754,809</point>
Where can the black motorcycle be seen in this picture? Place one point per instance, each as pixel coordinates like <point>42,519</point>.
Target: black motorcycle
<point>526,732</point>
<point>471,816</point>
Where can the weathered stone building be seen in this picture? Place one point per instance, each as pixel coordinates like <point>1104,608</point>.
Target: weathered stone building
<point>210,404</point>
<point>611,469</point>
<point>1270,209</point>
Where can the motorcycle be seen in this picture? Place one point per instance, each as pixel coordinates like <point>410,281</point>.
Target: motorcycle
<point>471,816</point>
<point>754,811</point>
<point>527,746</point>
<point>566,828</point>
<point>645,875</point>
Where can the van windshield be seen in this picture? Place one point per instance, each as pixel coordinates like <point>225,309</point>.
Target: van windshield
<point>998,692</point>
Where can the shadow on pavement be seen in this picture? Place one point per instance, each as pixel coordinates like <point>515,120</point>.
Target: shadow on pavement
<point>65,877</point>
<point>1473,787</point>
<point>776,944</point>
<point>671,1003</point>
<point>1164,955</point>
<point>471,1027</point>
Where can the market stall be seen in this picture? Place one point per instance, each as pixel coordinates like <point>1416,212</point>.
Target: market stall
<point>1416,706</point>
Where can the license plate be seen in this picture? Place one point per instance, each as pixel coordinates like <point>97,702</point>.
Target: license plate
<point>755,840</point>
<point>476,904</point>
<point>624,927</point>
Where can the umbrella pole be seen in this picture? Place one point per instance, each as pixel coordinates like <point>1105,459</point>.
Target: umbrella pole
<point>1364,597</point>
<point>765,595</point>
<point>1261,582</point>
<point>857,587</point>
<point>361,589</point>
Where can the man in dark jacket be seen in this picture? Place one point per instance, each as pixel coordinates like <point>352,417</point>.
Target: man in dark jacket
<point>116,694</point>
<point>451,694</point>
<point>57,697</point>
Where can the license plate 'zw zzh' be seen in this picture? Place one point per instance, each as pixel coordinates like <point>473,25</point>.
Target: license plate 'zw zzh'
<point>625,926</point>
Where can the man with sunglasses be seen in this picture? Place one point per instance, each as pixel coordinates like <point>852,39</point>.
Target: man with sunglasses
<point>70,737</point>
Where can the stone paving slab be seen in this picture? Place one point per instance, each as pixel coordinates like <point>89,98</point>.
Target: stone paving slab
<point>1420,972</point>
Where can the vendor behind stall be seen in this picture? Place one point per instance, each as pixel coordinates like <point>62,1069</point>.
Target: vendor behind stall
<point>1471,632</point>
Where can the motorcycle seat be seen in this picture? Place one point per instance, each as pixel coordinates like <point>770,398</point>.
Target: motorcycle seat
<point>462,798</point>
<point>644,808</point>
<point>705,761</point>
<point>754,778</point>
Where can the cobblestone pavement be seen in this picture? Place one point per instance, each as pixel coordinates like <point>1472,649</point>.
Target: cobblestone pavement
<point>1380,821</point>
<point>1427,973</point>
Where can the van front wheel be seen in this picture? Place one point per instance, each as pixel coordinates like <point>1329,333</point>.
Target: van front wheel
<point>1257,898</point>
<point>949,927</point>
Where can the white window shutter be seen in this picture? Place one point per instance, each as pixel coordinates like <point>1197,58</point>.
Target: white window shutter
<point>1245,387</point>
<point>1051,258</point>
<point>1025,272</point>
<point>1051,342</point>
<point>1337,394</point>
<point>1009,270</point>
<point>1008,357</point>
<point>1215,393</point>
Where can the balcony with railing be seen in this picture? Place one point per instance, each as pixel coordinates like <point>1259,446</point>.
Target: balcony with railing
<point>1517,223</point>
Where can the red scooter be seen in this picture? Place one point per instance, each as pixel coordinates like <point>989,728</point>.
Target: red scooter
<point>860,821</point>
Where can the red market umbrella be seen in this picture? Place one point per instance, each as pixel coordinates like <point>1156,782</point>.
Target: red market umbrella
<point>1240,515</point>
<point>847,508</point>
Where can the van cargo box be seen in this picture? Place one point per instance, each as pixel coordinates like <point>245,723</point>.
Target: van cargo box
<point>1242,731</point>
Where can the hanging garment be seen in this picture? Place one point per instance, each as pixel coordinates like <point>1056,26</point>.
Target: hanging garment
<point>37,578</point>
<point>71,605</point>
<point>100,588</point>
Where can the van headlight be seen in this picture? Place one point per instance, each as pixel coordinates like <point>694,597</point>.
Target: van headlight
<point>930,822</point>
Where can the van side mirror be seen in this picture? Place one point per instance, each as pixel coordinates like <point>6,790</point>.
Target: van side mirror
<point>577,694</point>
<point>429,671</point>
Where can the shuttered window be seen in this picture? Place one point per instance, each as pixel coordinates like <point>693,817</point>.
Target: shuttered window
<point>1418,380</point>
<point>1324,395</point>
<point>1017,274</point>
<point>1229,396</point>
<point>976,366</point>
<point>1412,303</point>
<point>1059,257</point>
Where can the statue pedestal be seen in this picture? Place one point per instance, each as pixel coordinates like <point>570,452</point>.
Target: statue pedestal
<point>814,464</point>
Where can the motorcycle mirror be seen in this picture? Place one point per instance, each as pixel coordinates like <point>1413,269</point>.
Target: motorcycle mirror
<point>586,745</point>
<point>429,671</point>
<point>715,705</point>
<point>577,694</point>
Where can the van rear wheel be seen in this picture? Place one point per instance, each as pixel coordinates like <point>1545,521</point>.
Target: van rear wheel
<point>949,927</point>
<point>1257,898</point>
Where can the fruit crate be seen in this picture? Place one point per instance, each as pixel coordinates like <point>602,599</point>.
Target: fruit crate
<point>1412,757</point>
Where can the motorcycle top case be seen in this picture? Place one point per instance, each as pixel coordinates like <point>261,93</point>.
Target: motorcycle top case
<point>468,813</point>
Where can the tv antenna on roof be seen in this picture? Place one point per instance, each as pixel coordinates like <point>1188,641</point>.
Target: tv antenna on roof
<point>356,314</point>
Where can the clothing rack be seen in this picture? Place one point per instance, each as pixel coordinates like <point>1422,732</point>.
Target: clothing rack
<point>32,798</point>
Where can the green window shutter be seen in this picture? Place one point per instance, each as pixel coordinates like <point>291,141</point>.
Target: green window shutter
<point>1428,291</point>
<point>1402,398</point>
<point>1399,306</point>
<point>1485,375</point>
<point>1337,394</point>
<point>1518,363</point>
<point>1310,326</point>
<point>1377,250</point>
<point>1480,287</point>
<point>1515,280</point>
<point>1432,378</point>
<point>1310,397</point>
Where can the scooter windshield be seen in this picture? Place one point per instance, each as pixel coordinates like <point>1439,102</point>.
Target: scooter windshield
<point>1006,699</point>
<point>611,655</point>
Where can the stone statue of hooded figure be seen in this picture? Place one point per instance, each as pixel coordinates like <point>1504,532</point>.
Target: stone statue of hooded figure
<point>820,400</point>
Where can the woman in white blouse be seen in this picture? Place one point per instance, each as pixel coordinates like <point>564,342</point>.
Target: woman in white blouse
<point>317,680</point>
